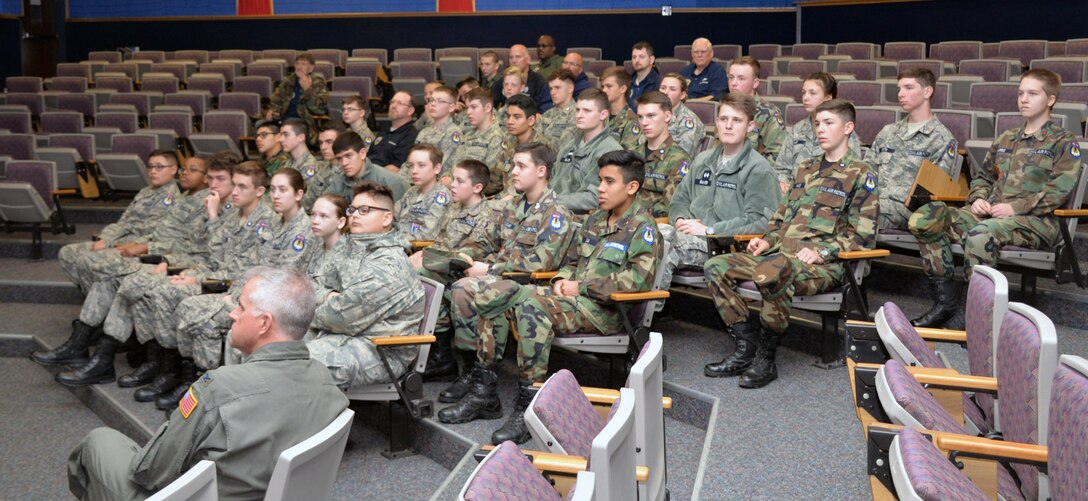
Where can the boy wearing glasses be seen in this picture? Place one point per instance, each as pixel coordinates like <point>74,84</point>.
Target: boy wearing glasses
<point>442,132</point>
<point>346,314</point>
<point>419,211</point>
<point>271,155</point>
<point>353,113</point>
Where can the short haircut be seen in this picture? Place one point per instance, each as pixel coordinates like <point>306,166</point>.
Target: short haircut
<point>298,126</point>
<point>655,97</point>
<point>348,141</point>
<point>433,153</point>
<point>272,126</point>
<point>294,178</point>
<point>478,94</point>
<point>356,100</point>
<point>514,70</point>
<point>1052,82</point>
<point>632,167</point>
<point>254,171</point>
<point>748,61</point>
<point>643,46</point>
<point>741,102</point>
<point>561,74</point>
<point>523,102</point>
<point>841,107</point>
<point>446,90</point>
<point>828,82</point>
<point>285,293</point>
<point>341,205</point>
<point>305,56</point>
<point>491,54</point>
<point>619,73</point>
<point>923,76</point>
<point>223,161</point>
<point>334,127</point>
<point>469,81</point>
<point>683,81</point>
<point>477,171</point>
<point>378,191</point>
<point>596,96</point>
<point>170,155</point>
<point>540,154</point>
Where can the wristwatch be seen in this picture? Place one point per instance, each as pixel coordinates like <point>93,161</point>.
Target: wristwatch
<point>709,230</point>
<point>825,253</point>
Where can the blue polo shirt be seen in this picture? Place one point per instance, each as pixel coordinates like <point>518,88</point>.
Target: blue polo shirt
<point>711,82</point>
<point>581,82</point>
<point>652,82</point>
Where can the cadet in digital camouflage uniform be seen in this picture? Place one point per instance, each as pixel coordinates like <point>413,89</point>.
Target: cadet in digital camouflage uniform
<point>241,417</point>
<point>374,292</point>
<point>422,207</point>
<point>770,131</point>
<point>686,128</point>
<point>801,143</point>
<point>666,161</point>
<point>522,127</point>
<point>617,250</point>
<point>353,112</point>
<point>354,167</point>
<point>425,119</point>
<point>531,233</point>
<point>831,208</point>
<point>443,132</point>
<point>575,174</point>
<point>900,148</point>
<point>482,139</point>
<point>294,137</point>
<point>302,94</point>
<point>558,122</point>
<point>1028,172</point>
<point>729,190</point>
<point>622,122</point>
<point>270,153</point>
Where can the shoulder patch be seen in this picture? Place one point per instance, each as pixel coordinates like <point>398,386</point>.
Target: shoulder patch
<point>310,171</point>
<point>685,167</point>
<point>262,229</point>
<point>556,222</point>
<point>441,198</point>
<point>456,137</point>
<point>368,140</point>
<point>778,118</point>
<point>952,150</point>
<point>187,404</point>
<point>168,199</point>
<point>870,182</point>
<point>299,243</point>
<point>635,130</point>
<point>1074,149</point>
<point>689,123</point>
<point>648,235</point>
<point>377,140</point>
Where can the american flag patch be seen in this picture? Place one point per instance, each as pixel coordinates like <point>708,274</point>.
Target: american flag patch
<point>187,404</point>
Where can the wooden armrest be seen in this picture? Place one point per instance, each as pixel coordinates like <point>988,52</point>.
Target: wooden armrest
<point>661,220</point>
<point>64,192</point>
<point>91,162</point>
<point>607,395</point>
<point>864,254</point>
<point>559,463</point>
<point>746,237</point>
<point>543,275</point>
<point>627,297</point>
<point>401,340</point>
<point>978,445</point>
<point>949,378</point>
<point>421,244</point>
<point>1071,212</point>
<point>247,138</point>
<point>949,198</point>
<point>927,333</point>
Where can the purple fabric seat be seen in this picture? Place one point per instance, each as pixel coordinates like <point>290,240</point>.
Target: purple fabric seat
<point>861,93</point>
<point>16,122</point>
<point>243,55</point>
<point>507,475</point>
<point>30,85</point>
<point>246,102</point>
<point>382,55</point>
<point>567,414</point>
<point>36,173</point>
<point>285,55</point>
<point>81,103</point>
<point>1068,422</point>
<point>180,123</point>
<point>274,71</point>
<point>861,69</point>
<point>930,473</point>
<point>916,401</point>
<point>906,334</point>
<point>62,122</point>
<point>256,84</point>
<point>1019,349</point>
<point>118,83</point>
<point>68,84</point>
<point>127,122</point>
<point>17,146</point>
<point>870,121</point>
<point>200,56</point>
<point>140,145</point>
<point>904,50</point>
<point>34,102</point>
<point>82,143</point>
<point>934,65</point>
<point>109,56</point>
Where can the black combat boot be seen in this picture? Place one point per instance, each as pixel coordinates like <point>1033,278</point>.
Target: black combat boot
<point>166,380</point>
<point>461,386</point>
<point>441,366</point>
<point>763,369</point>
<point>514,428</point>
<point>948,298</point>
<point>147,371</point>
<point>98,369</point>
<point>188,375</point>
<point>73,351</point>
<point>482,401</point>
<point>746,337</point>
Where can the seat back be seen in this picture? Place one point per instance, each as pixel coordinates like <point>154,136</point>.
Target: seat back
<point>803,68</point>
<point>991,70</point>
<point>326,69</point>
<point>613,457</point>
<point>243,55</point>
<point>412,54</point>
<point>140,145</point>
<point>642,313</point>
<point>355,85</point>
<point>155,56</point>
<point>858,50</point>
<point>142,101</point>
<point>165,83</point>
<point>68,84</point>
<point>795,113</point>
<point>62,122</point>
<point>763,53</point>
<point>809,50</point>
<point>16,122</point>
<point>586,52</point>
<point>33,102</point>
<point>212,83</point>
<point>381,55</point>
<point>246,102</point>
<point>109,56</point>
<point>934,65</point>
<point>17,146</point>
<point>956,51</point>
<point>23,84</point>
<point>179,122</point>
<point>1023,51</point>
<point>904,50</point>
<point>861,69</point>
<point>561,418</point>
<point>233,123</point>
<point>41,175</point>
<point>1067,443</point>
<point>128,69</point>
<point>327,55</point>
<point>127,121</point>
<point>665,65</point>
<point>308,470</point>
<point>197,484</point>
<point>198,102</point>
<point>994,96</point>
<point>505,473</point>
<point>870,121</point>
<point>921,471</point>
<point>902,340</point>
<point>261,85</point>
<point>959,122</point>
<point>646,381</point>
<point>705,110</point>
<point>81,103</point>
<point>727,52</point>
<point>74,70</point>
<point>432,302</point>
<point>861,93</point>
<point>120,83</point>
<point>179,70</point>
<point>1024,364</point>
<point>274,70</point>
<point>82,143</point>
<point>1072,70</point>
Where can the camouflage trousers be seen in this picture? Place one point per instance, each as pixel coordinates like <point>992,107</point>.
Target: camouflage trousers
<point>893,215</point>
<point>539,315</point>
<point>69,257</point>
<point>937,226</point>
<point>203,323</point>
<point>465,318</point>
<point>104,270</point>
<point>687,251</point>
<point>777,277</point>
<point>153,303</point>
<point>354,361</point>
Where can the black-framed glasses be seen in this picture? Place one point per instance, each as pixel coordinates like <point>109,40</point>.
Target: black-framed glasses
<point>363,210</point>
<point>159,166</point>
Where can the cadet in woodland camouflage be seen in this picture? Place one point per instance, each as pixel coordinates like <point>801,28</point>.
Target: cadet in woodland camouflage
<point>483,145</point>
<point>312,102</point>
<point>770,131</point>
<point>624,129</point>
<point>500,170</point>
<point>801,145</point>
<point>686,129</point>
<point>558,124</point>
<point>665,168</point>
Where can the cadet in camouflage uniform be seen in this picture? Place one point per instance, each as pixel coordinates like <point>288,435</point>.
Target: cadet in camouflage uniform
<point>354,113</point>
<point>831,208</point>
<point>374,292</point>
<point>666,162</point>
<point>686,128</point>
<point>302,94</point>
<point>422,207</point>
<point>770,131</point>
<point>622,122</point>
<point>490,69</point>
<point>354,167</point>
<point>575,177</point>
<point>558,122</point>
<point>294,137</point>
<point>271,156</point>
<point>617,250</point>
<point>425,119</point>
<point>443,132</point>
<point>483,136</point>
<point>801,143</point>
<point>522,128</point>
<point>1028,172</point>
<point>241,416</point>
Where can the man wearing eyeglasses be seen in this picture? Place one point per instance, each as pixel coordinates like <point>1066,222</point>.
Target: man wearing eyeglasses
<point>390,148</point>
<point>271,155</point>
<point>574,63</point>
<point>353,113</point>
<point>706,79</point>
<point>549,61</point>
<point>375,272</point>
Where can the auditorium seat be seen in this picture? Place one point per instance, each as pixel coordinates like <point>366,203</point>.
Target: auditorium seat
<point>668,65</point>
<point>197,101</point>
<point>27,197</point>
<point>246,102</point>
<point>381,54</point>
<point>507,472</point>
<point>308,470</point>
<point>109,56</point>
<point>17,146</point>
<point>227,70</point>
<point>243,55</point>
<point>727,52</point>
<point>331,56</point>
<point>274,70</point>
<point>804,68</point>
<point>326,69</point>
<point>30,85</point>
<point>588,53</point>
<point>861,93</point>
<point>858,50</point>
<point>795,113</point>
<point>221,130</point>
<point>212,83</point>
<point>179,70</point>
<point>934,65</point>
<point>62,122</point>
<point>16,121</point>
<point>470,52</point>
<point>162,83</point>
<point>200,56</point>
<point>809,51</point>
<point>116,82</point>
<point>682,52</point>
<point>412,54</point>
<point>991,70</point>
<point>896,51</point>
<point>255,84</point>
<point>863,69</point>
<point>143,101</point>
<point>765,52</point>
<point>1072,70</point>
<point>154,56</point>
<point>961,123</point>
<point>870,120</point>
<point>74,70</point>
<point>956,51</point>
<point>1023,51</point>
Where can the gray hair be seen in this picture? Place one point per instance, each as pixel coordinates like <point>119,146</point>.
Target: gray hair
<point>286,294</point>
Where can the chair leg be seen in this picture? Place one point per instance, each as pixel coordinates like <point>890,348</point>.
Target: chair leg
<point>830,343</point>
<point>1028,287</point>
<point>36,243</point>
<point>400,443</point>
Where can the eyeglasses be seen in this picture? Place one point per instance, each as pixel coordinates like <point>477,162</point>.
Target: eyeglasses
<point>159,166</point>
<point>263,135</point>
<point>437,101</point>
<point>700,52</point>
<point>363,210</point>
<point>348,108</point>
<point>192,171</point>
<point>545,45</point>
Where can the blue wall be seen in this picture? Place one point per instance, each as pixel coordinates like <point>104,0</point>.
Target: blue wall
<point>149,8</point>
<point>11,7</point>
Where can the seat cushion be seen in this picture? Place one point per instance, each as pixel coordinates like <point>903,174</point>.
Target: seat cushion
<point>567,413</point>
<point>931,475</point>
<point>1068,434</point>
<point>507,475</point>
<point>979,319</point>
<point>912,397</point>
<point>906,333</point>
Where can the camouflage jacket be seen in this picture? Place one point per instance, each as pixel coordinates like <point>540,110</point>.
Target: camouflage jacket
<point>687,129</point>
<point>624,128</point>
<point>289,239</point>
<point>141,216</point>
<point>447,136</point>
<point>312,102</point>
<point>461,225</point>
<point>271,165</point>
<point>526,237</point>
<point>194,250</point>
<point>485,146</point>
<point>308,166</point>
<point>558,124</point>
<point>500,170</point>
<point>834,209</point>
<point>801,145</point>
<point>317,261</point>
<point>334,181</point>
<point>729,198</point>
<point>896,155</point>
<point>1035,173</point>
<point>665,168</point>
<point>575,177</point>
<point>418,213</point>
<point>234,246</point>
<point>171,232</point>
<point>770,131</point>
<point>365,133</point>
<point>606,258</point>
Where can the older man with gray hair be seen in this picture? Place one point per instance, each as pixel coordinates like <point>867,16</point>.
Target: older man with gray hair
<point>277,398</point>
<point>706,79</point>
<point>536,85</point>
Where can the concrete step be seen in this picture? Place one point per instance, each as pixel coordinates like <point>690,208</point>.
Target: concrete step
<point>42,282</point>
<point>17,244</point>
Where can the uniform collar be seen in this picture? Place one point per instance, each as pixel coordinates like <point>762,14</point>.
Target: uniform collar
<point>280,350</point>
<point>927,127</point>
<point>659,153</point>
<point>738,162</point>
<point>1038,135</point>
